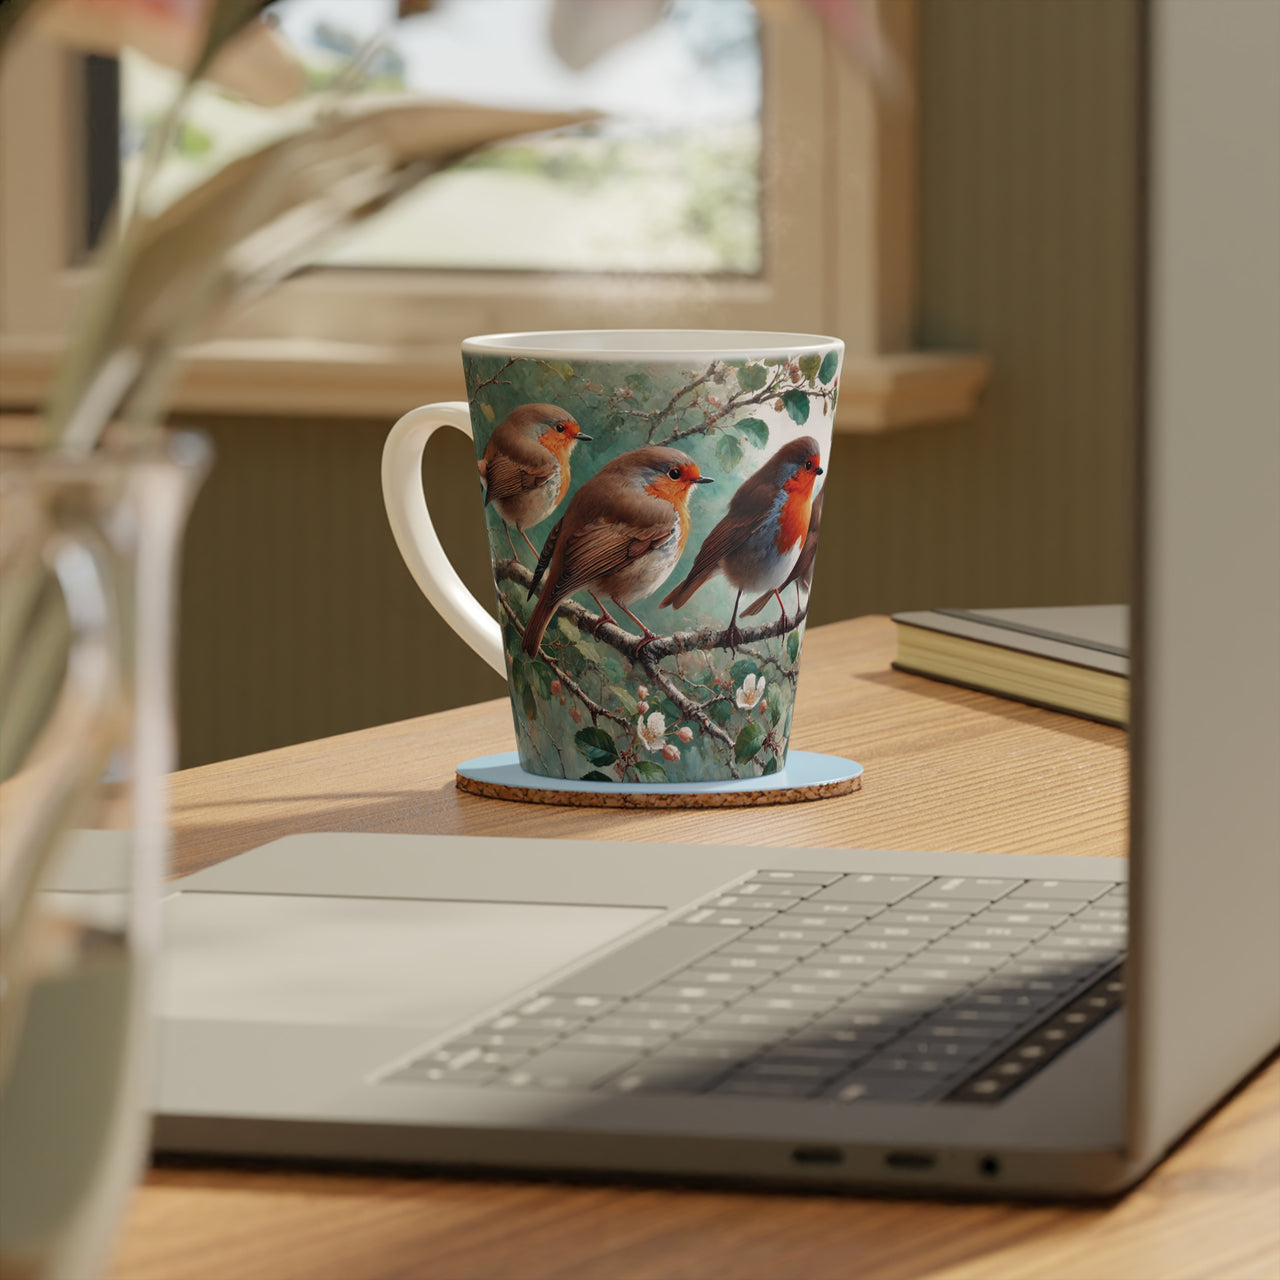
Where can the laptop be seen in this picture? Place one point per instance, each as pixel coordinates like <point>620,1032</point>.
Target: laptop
<point>930,1020</point>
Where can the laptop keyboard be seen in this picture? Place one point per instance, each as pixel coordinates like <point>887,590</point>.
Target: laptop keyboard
<point>815,984</point>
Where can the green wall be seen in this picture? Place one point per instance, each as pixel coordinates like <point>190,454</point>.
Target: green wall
<point>299,619</point>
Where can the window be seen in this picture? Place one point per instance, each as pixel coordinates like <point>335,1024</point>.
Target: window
<point>815,233</point>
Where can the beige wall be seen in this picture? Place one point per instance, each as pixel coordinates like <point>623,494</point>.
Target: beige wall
<point>299,619</point>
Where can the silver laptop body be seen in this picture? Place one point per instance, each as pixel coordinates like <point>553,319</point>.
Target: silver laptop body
<point>318,989</point>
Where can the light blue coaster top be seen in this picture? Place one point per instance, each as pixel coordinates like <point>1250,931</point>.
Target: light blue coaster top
<point>804,769</point>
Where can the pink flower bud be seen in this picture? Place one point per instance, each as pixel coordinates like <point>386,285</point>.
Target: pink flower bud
<point>684,733</point>
<point>671,752</point>
<point>643,707</point>
<point>642,691</point>
<point>556,686</point>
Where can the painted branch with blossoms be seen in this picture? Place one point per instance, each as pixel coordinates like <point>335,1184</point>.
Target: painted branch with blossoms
<point>637,706</point>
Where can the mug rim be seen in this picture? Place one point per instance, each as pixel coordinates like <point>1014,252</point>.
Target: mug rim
<point>650,344</point>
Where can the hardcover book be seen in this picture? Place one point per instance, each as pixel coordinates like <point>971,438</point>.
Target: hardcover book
<point>1073,659</point>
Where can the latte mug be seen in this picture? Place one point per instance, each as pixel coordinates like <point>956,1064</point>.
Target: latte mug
<point>652,500</point>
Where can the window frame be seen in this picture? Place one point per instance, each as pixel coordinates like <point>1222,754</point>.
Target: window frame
<point>838,242</point>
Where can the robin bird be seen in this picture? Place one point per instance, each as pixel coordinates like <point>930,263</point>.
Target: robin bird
<point>757,543</point>
<point>802,574</point>
<point>620,536</point>
<point>525,467</point>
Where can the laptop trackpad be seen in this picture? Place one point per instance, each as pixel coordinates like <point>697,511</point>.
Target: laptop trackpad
<point>366,961</point>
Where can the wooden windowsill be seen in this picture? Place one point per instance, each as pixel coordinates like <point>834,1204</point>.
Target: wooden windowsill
<point>348,380</point>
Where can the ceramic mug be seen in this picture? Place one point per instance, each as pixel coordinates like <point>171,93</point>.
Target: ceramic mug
<point>652,500</point>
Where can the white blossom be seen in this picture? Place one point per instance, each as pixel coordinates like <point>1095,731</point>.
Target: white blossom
<point>751,692</point>
<point>653,731</point>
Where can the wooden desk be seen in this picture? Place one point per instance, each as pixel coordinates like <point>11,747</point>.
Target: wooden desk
<point>945,769</point>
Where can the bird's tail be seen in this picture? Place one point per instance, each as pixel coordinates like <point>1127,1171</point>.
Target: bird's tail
<point>757,605</point>
<point>681,595</point>
<point>538,622</point>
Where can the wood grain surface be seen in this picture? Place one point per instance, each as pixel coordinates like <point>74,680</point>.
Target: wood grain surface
<point>946,768</point>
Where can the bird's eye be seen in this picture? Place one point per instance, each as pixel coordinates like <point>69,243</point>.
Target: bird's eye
<point>808,464</point>
<point>674,473</point>
<point>560,427</point>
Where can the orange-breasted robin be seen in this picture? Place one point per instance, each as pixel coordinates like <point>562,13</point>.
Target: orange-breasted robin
<point>620,536</point>
<point>757,543</point>
<point>525,467</point>
<point>802,574</point>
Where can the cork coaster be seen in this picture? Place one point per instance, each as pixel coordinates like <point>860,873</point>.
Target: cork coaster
<point>808,776</point>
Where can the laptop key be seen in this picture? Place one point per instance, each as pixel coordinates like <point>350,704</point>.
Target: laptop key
<point>881,1088</point>
<point>799,877</point>
<point>1071,890</point>
<point>871,888</point>
<point>976,889</point>
<point>660,1074</point>
<point>773,889</point>
<point>568,1069</point>
<point>644,962</point>
<point>726,917</point>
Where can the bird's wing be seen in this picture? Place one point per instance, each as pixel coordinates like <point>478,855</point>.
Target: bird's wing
<point>601,547</point>
<point>505,477</point>
<point>724,538</point>
<point>544,557</point>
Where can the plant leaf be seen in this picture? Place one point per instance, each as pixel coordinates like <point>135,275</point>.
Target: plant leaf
<point>793,645</point>
<point>650,771</point>
<point>748,741</point>
<point>754,431</point>
<point>596,745</point>
<point>258,219</point>
<point>752,377</point>
<point>595,776</point>
<point>729,452</point>
<point>810,365</point>
<point>796,403</point>
<point>830,363</point>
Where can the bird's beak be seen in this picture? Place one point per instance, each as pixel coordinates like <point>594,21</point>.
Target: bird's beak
<point>703,480</point>
<point>817,471</point>
<point>582,435</point>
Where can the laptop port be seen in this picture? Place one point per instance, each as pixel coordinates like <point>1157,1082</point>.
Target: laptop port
<point>990,1166</point>
<point>818,1155</point>
<point>915,1160</point>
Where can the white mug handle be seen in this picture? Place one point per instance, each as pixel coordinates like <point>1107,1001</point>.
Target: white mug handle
<point>416,536</point>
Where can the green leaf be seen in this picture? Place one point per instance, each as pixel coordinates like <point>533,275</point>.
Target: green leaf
<point>748,741</point>
<point>741,670</point>
<point>519,678</point>
<point>773,708</point>
<point>729,452</point>
<point>796,403</point>
<point>540,677</point>
<point>722,712</point>
<point>530,702</point>
<point>830,363</point>
<point>752,377</point>
<point>595,776</point>
<point>793,645</point>
<point>754,431</point>
<point>809,366</point>
<point>770,766</point>
<point>568,628</point>
<point>624,699</point>
<point>596,745</point>
<point>640,383</point>
<point>558,367</point>
<point>650,771</point>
